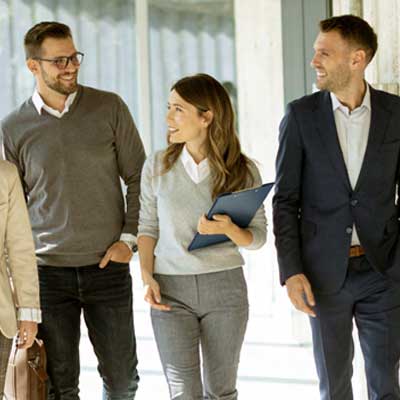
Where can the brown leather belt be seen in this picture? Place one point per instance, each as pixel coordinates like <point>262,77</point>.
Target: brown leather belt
<point>356,251</point>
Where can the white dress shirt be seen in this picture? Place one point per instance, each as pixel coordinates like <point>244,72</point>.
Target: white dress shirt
<point>353,131</point>
<point>197,172</point>
<point>40,104</point>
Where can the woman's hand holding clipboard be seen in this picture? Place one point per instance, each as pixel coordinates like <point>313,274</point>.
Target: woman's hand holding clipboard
<point>240,207</point>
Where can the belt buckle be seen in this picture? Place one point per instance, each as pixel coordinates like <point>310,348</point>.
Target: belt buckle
<point>356,251</point>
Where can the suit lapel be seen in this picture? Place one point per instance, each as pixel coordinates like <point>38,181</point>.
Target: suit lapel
<point>380,117</point>
<point>326,126</point>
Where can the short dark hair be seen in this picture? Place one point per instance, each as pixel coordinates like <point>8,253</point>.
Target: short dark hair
<point>38,33</point>
<point>354,30</point>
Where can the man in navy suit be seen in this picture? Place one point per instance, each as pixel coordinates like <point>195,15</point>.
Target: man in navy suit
<point>335,213</point>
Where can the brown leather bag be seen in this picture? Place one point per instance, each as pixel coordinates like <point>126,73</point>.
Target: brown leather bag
<point>26,377</point>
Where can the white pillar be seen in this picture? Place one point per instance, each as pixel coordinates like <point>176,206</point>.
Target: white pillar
<point>384,17</point>
<point>260,78</point>
<point>341,7</point>
<point>143,72</point>
<point>259,60</point>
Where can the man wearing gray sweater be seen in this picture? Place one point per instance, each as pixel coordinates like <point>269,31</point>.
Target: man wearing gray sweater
<point>71,145</point>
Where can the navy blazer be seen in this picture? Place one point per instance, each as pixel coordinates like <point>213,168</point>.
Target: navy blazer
<point>314,205</point>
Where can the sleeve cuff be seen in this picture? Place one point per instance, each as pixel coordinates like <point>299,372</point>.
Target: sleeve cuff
<point>29,314</point>
<point>259,239</point>
<point>129,239</point>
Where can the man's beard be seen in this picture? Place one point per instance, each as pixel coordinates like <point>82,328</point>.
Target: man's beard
<point>337,80</point>
<point>58,86</point>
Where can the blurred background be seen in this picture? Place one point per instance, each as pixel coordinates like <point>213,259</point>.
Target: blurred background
<point>260,50</point>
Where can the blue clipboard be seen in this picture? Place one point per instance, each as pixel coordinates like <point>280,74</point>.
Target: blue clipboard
<point>240,206</point>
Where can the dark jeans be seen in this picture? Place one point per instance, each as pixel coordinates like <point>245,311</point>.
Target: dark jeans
<point>105,296</point>
<point>373,302</point>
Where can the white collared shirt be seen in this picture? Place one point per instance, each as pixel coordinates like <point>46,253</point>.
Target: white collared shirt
<point>40,104</point>
<point>353,130</point>
<point>197,172</point>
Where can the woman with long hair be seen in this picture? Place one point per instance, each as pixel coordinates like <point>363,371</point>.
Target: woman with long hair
<point>198,299</point>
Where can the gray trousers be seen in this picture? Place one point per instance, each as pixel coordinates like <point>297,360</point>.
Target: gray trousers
<point>209,312</point>
<point>5,348</point>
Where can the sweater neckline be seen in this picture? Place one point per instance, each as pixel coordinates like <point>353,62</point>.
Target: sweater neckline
<point>188,178</point>
<point>70,111</point>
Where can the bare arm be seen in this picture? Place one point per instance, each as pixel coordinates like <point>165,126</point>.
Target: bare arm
<point>241,237</point>
<point>146,245</point>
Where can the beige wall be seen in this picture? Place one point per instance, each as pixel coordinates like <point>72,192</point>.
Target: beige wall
<point>384,16</point>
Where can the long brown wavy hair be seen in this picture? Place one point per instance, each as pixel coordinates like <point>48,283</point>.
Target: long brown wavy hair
<point>230,168</point>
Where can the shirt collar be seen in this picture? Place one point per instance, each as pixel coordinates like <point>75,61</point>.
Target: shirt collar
<point>188,159</point>
<point>40,104</point>
<point>365,103</point>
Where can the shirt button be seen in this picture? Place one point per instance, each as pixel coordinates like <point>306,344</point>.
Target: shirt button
<point>354,202</point>
<point>349,230</point>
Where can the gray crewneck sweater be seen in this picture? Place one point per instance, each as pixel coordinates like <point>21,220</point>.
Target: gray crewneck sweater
<point>170,207</point>
<point>71,168</point>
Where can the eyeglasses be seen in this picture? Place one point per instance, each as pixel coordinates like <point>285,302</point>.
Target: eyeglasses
<point>62,62</point>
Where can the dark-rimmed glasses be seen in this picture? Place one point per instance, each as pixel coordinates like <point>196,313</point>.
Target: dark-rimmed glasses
<point>62,62</point>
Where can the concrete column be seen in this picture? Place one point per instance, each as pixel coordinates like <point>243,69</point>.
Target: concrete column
<point>384,17</point>
<point>260,78</point>
<point>347,7</point>
<point>259,58</point>
<point>143,72</point>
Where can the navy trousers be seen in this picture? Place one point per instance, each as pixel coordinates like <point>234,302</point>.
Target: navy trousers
<point>373,302</point>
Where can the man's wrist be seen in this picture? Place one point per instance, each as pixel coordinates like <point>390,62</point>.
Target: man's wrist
<point>127,244</point>
<point>129,240</point>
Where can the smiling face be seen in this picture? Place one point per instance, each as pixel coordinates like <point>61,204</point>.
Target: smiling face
<point>332,61</point>
<point>185,123</point>
<point>50,79</point>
